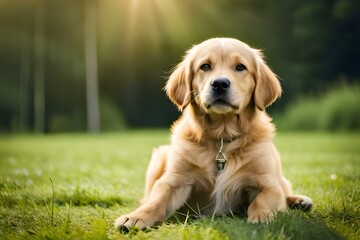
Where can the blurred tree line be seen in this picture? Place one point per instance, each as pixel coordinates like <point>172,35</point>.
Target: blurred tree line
<point>311,45</point>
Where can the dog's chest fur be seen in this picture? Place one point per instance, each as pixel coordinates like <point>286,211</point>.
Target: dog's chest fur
<point>221,192</point>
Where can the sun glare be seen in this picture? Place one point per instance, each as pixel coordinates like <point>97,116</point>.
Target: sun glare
<point>161,20</point>
<point>162,24</point>
<point>165,20</point>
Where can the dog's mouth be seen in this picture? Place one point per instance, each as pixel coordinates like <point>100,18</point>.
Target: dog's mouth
<point>221,103</point>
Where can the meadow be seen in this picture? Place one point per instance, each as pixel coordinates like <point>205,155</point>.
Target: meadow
<point>73,186</point>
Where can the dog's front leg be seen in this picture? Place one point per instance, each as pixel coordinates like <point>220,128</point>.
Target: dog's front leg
<point>164,199</point>
<point>266,203</point>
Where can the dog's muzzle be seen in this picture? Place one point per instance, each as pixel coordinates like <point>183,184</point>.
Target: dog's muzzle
<point>219,97</point>
<point>220,88</point>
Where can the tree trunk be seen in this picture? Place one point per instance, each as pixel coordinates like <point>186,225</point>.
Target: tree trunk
<point>24,87</point>
<point>39,71</point>
<point>92,98</point>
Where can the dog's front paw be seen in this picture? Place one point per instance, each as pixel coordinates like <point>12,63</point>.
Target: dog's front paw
<point>259,216</point>
<point>126,222</point>
<point>140,220</point>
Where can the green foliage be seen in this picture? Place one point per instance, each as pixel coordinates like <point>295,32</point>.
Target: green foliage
<point>308,43</point>
<point>66,122</point>
<point>340,110</point>
<point>300,115</point>
<point>111,117</point>
<point>337,110</point>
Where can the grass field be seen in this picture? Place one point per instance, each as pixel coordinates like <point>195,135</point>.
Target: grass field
<point>75,186</point>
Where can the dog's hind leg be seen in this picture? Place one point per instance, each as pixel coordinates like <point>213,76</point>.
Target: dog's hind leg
<point>155,169</point>
<point>299,202</point>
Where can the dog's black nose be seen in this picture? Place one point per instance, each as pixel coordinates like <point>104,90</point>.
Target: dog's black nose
<point>220,85</point>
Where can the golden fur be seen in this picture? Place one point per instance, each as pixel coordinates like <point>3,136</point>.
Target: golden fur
<point>222,86</point>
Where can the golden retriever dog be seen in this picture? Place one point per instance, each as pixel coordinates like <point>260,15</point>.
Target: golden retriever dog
<point>221,158</point>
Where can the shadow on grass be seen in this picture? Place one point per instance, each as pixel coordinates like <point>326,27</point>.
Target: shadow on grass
<point>292,225</point>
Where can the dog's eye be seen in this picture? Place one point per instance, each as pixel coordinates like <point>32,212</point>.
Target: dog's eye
<point>240,67</point>
<point>205,67</point>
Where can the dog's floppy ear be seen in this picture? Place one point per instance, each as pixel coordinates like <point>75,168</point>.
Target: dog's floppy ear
<point>178,86</point>
<point>267,88</point>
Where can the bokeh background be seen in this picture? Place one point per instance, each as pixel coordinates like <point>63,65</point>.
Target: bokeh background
<point>100,65</point>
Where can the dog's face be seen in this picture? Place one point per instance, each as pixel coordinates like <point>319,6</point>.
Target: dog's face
<point>223,80</point>
<point>221,76</point>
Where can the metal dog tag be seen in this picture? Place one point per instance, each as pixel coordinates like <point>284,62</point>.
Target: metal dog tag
<point>220,157</point>
<point>220,161</point>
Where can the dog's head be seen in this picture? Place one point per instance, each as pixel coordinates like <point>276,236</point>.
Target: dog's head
<point>222,76</point>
